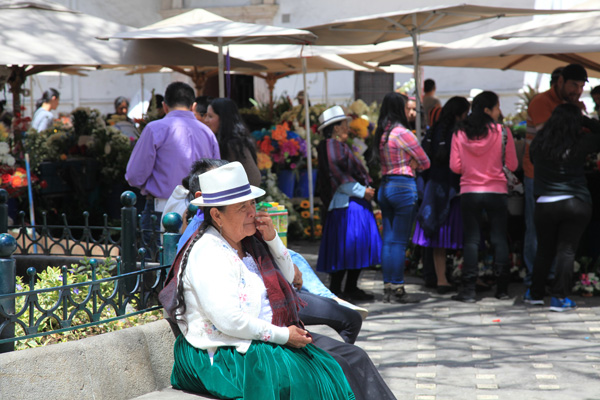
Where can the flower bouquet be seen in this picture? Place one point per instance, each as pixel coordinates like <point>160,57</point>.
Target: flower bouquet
<point>587,285</point>
<point>303,210</point>
<point>279,147</point>
<point>14,180</point>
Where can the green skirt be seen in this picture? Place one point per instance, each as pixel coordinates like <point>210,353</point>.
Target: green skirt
<point>265,372</point>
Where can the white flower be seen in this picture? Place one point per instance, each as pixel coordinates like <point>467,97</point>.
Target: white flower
<point>85,140</point>
<point>10,161</point>
<point>107,148</point>
<point>4,148</point>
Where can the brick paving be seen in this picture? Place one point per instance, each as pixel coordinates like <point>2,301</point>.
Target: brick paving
<point>493,349</point>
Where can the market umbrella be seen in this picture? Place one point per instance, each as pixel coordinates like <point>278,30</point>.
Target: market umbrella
<point>284,60</point>
<point>202,27</point>
<point>411,23</point>
<point>380,53</point>
<point>38,36</point>
<point>542,54</point>
<point>569,29</point>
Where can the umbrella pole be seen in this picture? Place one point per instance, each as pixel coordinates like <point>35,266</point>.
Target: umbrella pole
<point>311,199</point>
<point>31,208</point>
<point>413,34</point>
<point>221,69</point>
<point>142,96</point>
<point>326,87</point>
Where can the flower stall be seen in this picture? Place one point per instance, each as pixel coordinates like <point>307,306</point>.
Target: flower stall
<point>77,165</point>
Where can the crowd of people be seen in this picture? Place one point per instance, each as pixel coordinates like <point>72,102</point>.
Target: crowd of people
<point>240,303</point>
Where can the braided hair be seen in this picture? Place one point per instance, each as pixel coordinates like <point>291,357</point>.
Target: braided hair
<point>180,306</point>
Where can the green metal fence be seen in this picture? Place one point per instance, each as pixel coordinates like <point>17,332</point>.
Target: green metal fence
<point>130,289</point>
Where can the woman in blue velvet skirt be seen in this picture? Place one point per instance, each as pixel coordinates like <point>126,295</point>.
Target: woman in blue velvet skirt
<point>351,239</point>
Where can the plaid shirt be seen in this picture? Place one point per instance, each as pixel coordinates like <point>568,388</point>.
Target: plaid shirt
<point>396,150</point>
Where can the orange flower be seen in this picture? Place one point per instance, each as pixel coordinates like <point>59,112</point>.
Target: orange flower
<point>279,133</point>
<point>305,214</point>
<point>304,204</point>
<point>265,146</point>
<point>360,127</point>
<point>17,181</point>
<point>263,160</point>
<point>63,157</point>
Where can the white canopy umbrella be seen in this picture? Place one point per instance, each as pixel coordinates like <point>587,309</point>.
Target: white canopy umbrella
<point>202,27</point>
<point>570,29</point>
<point>411,23</point>
<point>542,54</point>
<point>38,36</point>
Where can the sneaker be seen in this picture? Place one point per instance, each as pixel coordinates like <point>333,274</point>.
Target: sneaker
<point>530,300</point>
<point>560,305</point>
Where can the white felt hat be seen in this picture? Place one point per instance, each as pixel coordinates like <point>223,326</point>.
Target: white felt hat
<point>226,185</point>
<point>331,116</point>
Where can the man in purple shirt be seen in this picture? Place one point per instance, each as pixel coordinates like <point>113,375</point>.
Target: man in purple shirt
<point>165,151</point>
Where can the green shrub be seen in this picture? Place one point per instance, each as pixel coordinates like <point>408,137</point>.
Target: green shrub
<point>52,277</point>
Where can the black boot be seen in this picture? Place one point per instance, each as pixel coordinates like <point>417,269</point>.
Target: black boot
<point>400,296</point>
<point>502,287</point>
<point>466,294</point>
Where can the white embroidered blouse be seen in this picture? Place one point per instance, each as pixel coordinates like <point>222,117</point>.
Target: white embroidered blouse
<point>226,296</point>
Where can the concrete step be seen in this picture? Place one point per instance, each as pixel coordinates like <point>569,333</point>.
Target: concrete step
<point>172,394</point>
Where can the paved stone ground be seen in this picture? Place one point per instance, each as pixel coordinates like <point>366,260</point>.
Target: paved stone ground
<point>443,349</point>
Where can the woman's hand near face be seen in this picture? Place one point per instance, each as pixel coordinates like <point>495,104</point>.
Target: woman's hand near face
<point>264,224</point>
<point>298,337</point>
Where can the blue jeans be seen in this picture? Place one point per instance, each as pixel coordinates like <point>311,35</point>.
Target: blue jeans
<point>530,240</point>
<point>397,197</point>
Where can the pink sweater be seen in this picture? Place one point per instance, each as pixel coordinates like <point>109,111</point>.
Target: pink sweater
<point>479,162</point>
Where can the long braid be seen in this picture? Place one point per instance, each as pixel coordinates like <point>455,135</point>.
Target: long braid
<point>180,306</point>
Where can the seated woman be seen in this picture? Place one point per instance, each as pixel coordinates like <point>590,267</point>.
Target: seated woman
<point>241,334</point>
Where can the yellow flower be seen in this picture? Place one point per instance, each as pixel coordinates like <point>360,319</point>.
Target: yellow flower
<point>263,160</point>
<point>360,127</point>
<point>305,214</point>
<point>307,231</point>
<point>304,204</point>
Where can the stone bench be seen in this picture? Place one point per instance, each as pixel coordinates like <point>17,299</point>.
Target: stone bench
<point>119,365</point>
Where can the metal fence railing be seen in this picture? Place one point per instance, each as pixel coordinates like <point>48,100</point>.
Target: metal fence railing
<point>126,285</point>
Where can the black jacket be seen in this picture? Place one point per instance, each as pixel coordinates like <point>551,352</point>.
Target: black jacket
<point>567,177</point>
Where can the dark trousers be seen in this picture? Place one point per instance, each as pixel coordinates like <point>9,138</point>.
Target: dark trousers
<point>323,311</point>
<point>559,226</point>
<point>150,228</point>
<point>473,206</point>
<point>362,375</point>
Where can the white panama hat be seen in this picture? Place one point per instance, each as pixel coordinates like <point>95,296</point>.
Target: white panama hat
<point>331,116</point>
<point>226,185</point>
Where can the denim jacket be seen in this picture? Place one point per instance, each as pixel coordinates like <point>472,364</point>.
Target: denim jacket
<point>341,197</point>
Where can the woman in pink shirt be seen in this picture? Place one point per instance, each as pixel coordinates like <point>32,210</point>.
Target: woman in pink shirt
<point>477,155</point>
